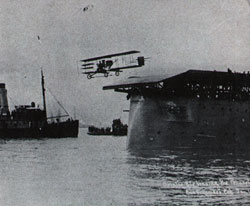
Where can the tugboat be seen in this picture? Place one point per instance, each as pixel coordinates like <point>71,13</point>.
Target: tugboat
<point>118,129</point>
<point>29,121</point>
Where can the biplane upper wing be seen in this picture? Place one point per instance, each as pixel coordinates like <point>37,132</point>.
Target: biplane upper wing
<point>110,55</point>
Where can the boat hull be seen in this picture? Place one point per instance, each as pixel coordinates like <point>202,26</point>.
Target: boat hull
<point>99,134</point>
<point>157,122</point>
<point>53,130</point>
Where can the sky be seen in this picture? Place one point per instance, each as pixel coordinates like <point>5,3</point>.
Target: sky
<point>177,35</point>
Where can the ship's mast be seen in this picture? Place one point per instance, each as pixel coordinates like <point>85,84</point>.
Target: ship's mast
<point>43,91</point>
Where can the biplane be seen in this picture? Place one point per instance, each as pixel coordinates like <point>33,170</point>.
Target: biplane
<point>111,63</point>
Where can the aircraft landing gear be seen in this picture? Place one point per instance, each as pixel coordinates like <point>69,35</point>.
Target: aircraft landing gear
<point>89,76</point>
<point>106,74</point>
<point>117,73</point>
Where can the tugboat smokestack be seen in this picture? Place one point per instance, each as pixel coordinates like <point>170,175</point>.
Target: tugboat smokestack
<point>4,108</point>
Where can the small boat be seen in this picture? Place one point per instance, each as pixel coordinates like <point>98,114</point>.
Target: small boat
<point>118,129</point>
<point>29,121</point>
<point>92,130</point>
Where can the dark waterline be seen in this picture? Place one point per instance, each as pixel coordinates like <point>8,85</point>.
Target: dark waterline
<point>98,170</point>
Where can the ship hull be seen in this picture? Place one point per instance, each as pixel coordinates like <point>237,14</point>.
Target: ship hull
<point>53,130</point>
<point>157,122</point>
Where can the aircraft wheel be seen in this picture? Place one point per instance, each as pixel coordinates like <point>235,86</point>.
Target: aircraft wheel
<point>89,76</point>
<point>117,73</point>
<point>106,74</point>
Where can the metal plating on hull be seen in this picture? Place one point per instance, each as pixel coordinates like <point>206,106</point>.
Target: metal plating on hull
<point>178,123</point>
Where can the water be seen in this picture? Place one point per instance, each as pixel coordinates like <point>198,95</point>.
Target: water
<point>99,170</point>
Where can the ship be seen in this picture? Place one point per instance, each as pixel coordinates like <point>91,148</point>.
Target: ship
<point>193,109</point>
<point>29,121</point>
<point>118,129</point>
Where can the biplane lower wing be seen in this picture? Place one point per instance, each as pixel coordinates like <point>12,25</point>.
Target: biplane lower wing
<point>90,72</point>
<point>96,72</point>
<point>87,68</point>
<point>88,64</point>
<point>125,67</point>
